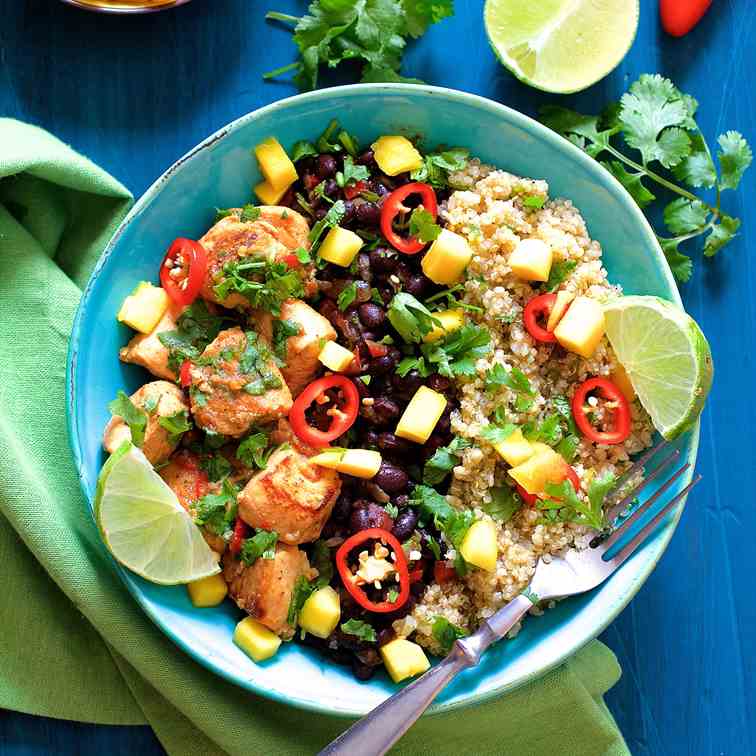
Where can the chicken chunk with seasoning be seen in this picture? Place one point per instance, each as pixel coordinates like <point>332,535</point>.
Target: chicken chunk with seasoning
<point>236,384</point>
<point>266,233</point>
<point>148,351</point>
<point>264,589</point>
<point>161,402</point>
<point>291,495</point>
<point>305,331</point>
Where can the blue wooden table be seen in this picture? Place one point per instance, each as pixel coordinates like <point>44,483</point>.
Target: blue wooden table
<point>136,93</point>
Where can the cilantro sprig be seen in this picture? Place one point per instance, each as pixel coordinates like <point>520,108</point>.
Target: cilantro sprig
<point>657,120</point>
<point>444,460</point>
<point>567,505</point>
<point>133,416</point>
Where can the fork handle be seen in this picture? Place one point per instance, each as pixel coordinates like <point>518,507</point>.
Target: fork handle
<point>376,732</point>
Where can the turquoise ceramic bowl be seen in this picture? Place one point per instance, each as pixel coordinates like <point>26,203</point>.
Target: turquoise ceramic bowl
<point>219,173</point>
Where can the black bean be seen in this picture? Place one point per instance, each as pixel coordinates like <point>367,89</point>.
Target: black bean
<point>369,515</point>
<point>362,389</point>
<point>362,671</point>
<point>386,410</point>
<point>368,213</point>
<point>363,267</point>
<point>390,478</point>
<point>438,382</point>
<point>388,442</point>
<point>417,285</point>
<point>342,509</point>
<point>348,212</point>
<point>330,188</point>
<point>383,260</point>
<point>326,166</point>
<point>380,189</point>
<point>382,365</point>
<point>407,385</point>
<point>320,213</point>
<point>404,524</point>
<point>362,291</point>
<point>444,423</point>
<point>417,589</point>
<point>401,501</point>
<point>366,158</point>
<point>371,438</point>
<point>386,636</point>
<point>371,315</point>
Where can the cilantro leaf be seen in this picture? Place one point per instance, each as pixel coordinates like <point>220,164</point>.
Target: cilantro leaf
<point>217,512</point>
<point>534,201</point>
<point>633,182</point>
<point>263,283</point>
<point>420,14</point>
<point>697,169</point>
<point>505,502</point>
<point>282,331</point>
<point>347,295</point>
<point>322,562</point>
<point>598,489</point>
<point>682,216</point>
<point>133,416</point>
<point>302,149</point>
<point>458,351</point>
<point>495,434</point>
<point>410,317</point>
<point>680,264</point>
<point>444,460</point>
<point>303,589</point>
<point>734,156</point>
<point>254,451</point>
<point>567,447</point>
<point>261,545</point>
<point>438,165</point>
<point>332,218</point>
<point>361,629</point>
<point>352,173</point>
<point>514,379</point>
<point>559,273</point>
<point>567,506</point>
<point>452,522</point>
<point>721,233</point>
<point>249,213</point>
<point>423,226</point>
<point>446,633</point>
<point>176,424</point>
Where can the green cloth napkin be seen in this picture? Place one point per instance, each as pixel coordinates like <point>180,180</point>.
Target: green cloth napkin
<point>74,644</point>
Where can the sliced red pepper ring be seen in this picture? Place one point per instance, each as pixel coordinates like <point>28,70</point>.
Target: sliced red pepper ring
<point>620,411</point>
<point>540,306</point>
<point>342,418</point>
<point>400,566</point>
<point>393,206</point>
<point>190,259</point>
<point>531,499</point>
<point>240,531</point>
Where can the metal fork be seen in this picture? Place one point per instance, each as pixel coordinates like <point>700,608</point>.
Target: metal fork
<point>575,572</point>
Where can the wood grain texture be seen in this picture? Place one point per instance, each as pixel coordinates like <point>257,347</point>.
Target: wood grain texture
<point>136,93</point>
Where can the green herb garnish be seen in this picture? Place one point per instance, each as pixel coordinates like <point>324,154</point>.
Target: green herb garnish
<point>261,545</point>
<point>254,451</point>
<point>359,628</point>
<point>217,512</point>
<point>134,417</point>
<point>446,633</point>
<point>444,460</point>
<point>505,501</point>
<point>423,226</point>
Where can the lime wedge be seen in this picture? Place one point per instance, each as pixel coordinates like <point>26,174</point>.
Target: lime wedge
<point>666,356</point>
<point>143,524</point>
<point>561,45</point>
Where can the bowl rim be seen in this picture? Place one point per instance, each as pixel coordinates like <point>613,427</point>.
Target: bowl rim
<point>496,108</point>
<point>125,11</point>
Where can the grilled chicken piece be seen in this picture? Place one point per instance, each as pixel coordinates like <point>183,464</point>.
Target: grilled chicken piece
<point>147,350</point>
<point>265,588</point>
<point>274,235</point>
<point>291,495</point>
<point>237,385</point>
<point>302,350</point>
<point>163,400</point>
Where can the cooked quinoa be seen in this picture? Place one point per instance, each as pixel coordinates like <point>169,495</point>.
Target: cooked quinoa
<point>487,208</point>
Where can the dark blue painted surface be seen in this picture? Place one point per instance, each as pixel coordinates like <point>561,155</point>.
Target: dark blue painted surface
<point>136,93</point>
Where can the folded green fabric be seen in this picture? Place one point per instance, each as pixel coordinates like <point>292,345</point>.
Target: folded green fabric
<point>74,644</point>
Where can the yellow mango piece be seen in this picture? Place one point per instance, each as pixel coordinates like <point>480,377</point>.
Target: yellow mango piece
<point>582,327</point>
<point>515,448</point>
<point>362,463</point>
<point>479,546</point>
<point>144,307</point>
<point>321,612</point>
<point>335,357</point>
<point>341,246</point>
<point>621,380</point>
<point>451,320</point>
<point>330,458</point>
<point>563,300</point>
<point>268,194</point>
<point>421,415</point>
<point>208,591</point>
<point>531,260</point>
<point>404,659</point>
<point>544,466</point>
<point>275,164</point>
<point>255,639</point>
<point>396,154</point>
<point>447,258</point>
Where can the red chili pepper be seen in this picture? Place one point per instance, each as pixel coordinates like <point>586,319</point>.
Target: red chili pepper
<point>376,349</point>
<point>291,260</point>
<point>416,575</point>
<point>392,206</point>
<point>201,484</point>
<point>621,421</point>
<point>310,181</point>
<point>443,572</point>
<point>540,305</point>
<point>342,419</point>
<point>240,531</point>
<point>190,257</point>
<point>351,191</point>
<point>531,499</point>
<point>400,565</point>
<point>678,17</point>
<point>185,374</point>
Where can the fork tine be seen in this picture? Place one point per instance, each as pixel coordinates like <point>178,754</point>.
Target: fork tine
<point>646,531</point>
<point>621,505</point>
<point>639,464</point>
<point>636,515</point>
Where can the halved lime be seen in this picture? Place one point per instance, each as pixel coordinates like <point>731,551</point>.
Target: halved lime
<point>561,45</point>
<point>666,356</point>
<point>143,524</point>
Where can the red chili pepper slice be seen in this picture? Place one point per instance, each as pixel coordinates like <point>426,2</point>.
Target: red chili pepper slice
<point>190,258</point>
<point>621,420</point>
<point>392,206</point>
<point>542,306</point>
<point>185,374</point>
<point>678,17</point>
<point>291,261</point>
<point>342,419</point>
<point>240,531</point>
<point>443,572</point>
<point>531,499</point>
<point>352,190</point>
<point>400,565</point>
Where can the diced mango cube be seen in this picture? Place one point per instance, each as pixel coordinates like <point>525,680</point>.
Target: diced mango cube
<point>362,463</point>
<point>531,260</point>
<point>544,466</point>
<point>479,546</point>
<point>335,357</point>
<point>404,659</point>
<point>447,258</point>
<point>268,194</point>
<point>515,448</point>
<point>396,154</point>
<point>144,307</point>
<point>275,164</point>
<point>321,612</point>
<point>208,591</point>
<point>330,458</point>
<point>255,639</point>
<point>582,327</point>
<point>621,380</point>
<point>562,302</point>
<point>421,415</point>
<point>451,320</point>
<point>340,246</point>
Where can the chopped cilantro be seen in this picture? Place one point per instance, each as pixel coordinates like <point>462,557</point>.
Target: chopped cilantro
<point>176,424</point>
<point>303,589</point>
<point>457,352</point>
<point>444,460</point>
<point>347,296</point>
<point>411,318</point>
<point>134,417</point>
<point>392,595</point>
<point>264,284</point>
<point>446,633</point>
<point>321,560</point>
<point>454,523</point>
<point>423,226</point>
<point>254,451</point>
<point>249,213</point>
<point>329,220</point>
<point>495,434</point>
<point>560,272</point>
<point>437,166</point>
<point>391,510</point>
<point>361,629</point>
<point>261,545</point>
<point>534,201</point>
<point>282,331</point>
<point>505,501</point>
<point>217,512</point>
<point>352,173</point>
<point>514,379</point>
<point>302,149</point>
